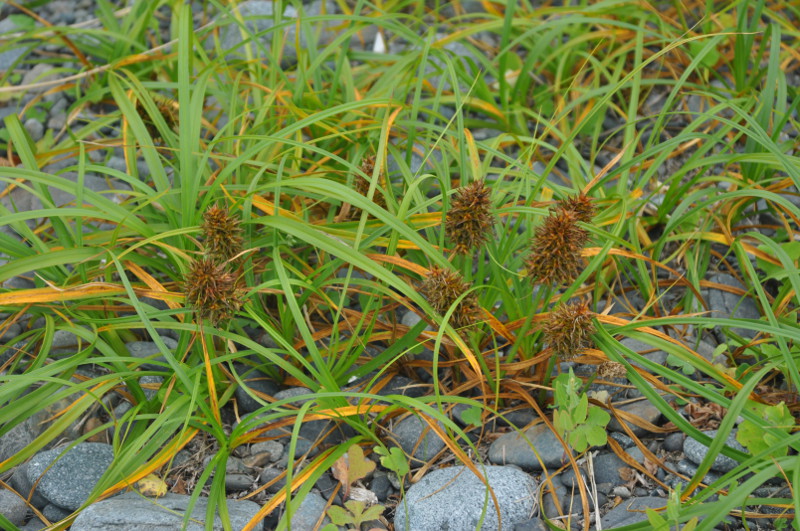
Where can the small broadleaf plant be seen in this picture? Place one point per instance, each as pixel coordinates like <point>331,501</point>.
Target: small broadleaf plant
<point>353,514</point>
<point>580,424</point>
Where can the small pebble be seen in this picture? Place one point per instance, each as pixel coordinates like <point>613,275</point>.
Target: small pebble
<point>621,491</point>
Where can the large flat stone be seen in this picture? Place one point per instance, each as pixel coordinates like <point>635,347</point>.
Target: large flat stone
<point>132,512</point>
<point>454,498</point>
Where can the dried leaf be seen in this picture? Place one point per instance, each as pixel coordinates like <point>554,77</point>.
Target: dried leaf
<point>151,486</point>
<point>351,467</point>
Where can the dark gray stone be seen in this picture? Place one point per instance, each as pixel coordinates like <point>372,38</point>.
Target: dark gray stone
<point>674,442</point>
<point>273,448</point>
<point>238,482</point>
<point>146,349</point>
<point>454,498</point>
<point>310,512</point>
<point>255,381</point>
<point>12,507</point>
<point>292,392</point>
<point>653,354</point>
<point>19,482</point>
<point>640,408</point>
<point>268,474</point>
<point>402,385</point>
<point>408,433</point>
<point>35,128</point>
<point>54,513</point>
<point>9,56</point>
<point>513,449</point>
<point>726,305</point>
<point>553,508</point>
<point>40,73</point>
<point>606,468</point>
<point>132,512</point>
<point>381,486</point>
<point>696,451</point>
<point>258,18</point>
<point>71,478</point>
<point>534,524</point>
<point>631,512</point>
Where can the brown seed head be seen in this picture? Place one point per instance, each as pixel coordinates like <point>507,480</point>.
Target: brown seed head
<point>166,107</point>
<point>555,256</point>
<point>470,219</point>
<point>212,291</point>
<point>568,330</point>
<point>362,185</point>
<point>442,287</point>
<point>223,235</point>
<point>612,369</point>
<point>580,205</point>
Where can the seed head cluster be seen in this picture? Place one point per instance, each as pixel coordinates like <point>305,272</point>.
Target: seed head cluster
<point>469,220</point>
<point>212,291</point>
<point>362,185</point>
<point>568,330</point>
<point>166,107</point>
<point>222,234</point>
<point>612,369</point>
<point>555,256</point>
<point>442,287</point>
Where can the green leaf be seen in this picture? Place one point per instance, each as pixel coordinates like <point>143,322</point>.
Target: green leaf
<point>393,459</point>
<point>339,515</point>
<point>472,416</point>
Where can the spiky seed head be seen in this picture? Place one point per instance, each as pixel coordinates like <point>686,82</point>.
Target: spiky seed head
<point>166,107</point>
<point>568,330</point>
<point>555,256</point>
<point>362,185</point>
<point>581,205</point>
<point>212,291</point>
<point>469,220</point>
<point>222,234</point>
<point>442,287</point>
<point>612,369</point>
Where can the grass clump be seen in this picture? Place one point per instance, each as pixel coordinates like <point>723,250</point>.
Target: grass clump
<point>263,213</point>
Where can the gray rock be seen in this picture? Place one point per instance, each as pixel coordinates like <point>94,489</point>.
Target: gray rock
<point>553,508</point>
<point>10,56</point>
<point>132,512</point>
<point>257,382</point>
<point>54,513</point>
<point>513,449</point>
<point>651,353</point>
<point>67,481</point>
<point>146,349</point>
<point>150,384</point>
<point>306,516</point>
<point>258,18</point>
<point>293,392</point>
<point>726,305</point>
<point>34,128</point>
<point>534,524</point>
<point>269,474</point>
<point>381,485</point>
<point>40,73</point>
<point>631,512</point>
<point>674,442</point>
<point>409,432</point>
<point>606,468</point>
<point>696,451</point>
<point>238,482</point>
<point>57,121</point>
<point>33,525</point>
<point>19,482</point>
<point>402,385</point>
<point>12,507</point>
<point>273,448</point>
<point>454,498</point>
<point>640,408</point>
<point>10,333</point>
